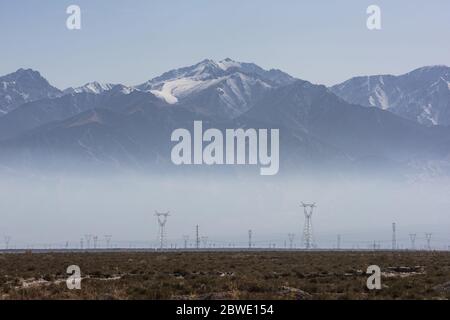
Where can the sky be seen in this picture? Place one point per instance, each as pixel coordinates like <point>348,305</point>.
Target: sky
<point>131,42</point>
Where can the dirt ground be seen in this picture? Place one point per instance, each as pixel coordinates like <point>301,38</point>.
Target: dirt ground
<point>225,275</point>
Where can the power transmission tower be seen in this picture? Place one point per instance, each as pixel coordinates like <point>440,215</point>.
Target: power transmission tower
<point>428,236</point>
<point>7,240</point>
<point>394,237</point>
<point>186,239</point>
<point>162,220</point>
<point>374,245</point>
<point>81,243</point>
<point>205,241</point>
<point>308,237</point>
<point>249,239</point>
<point>108,240</point>
<point>338,246</point>
<point>88,240</point>
<point>412,236</point>
<point>291,237</point>
<point>197,237</point>
<point>95,242</point>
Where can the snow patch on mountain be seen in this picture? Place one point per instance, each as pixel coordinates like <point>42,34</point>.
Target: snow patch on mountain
<point>172,90</point>
<point>92,87</point>
<point>22,86</point>
<point>99,88</point>
<point>379,98</point>
<point>228,85</point>
<point>422,95</point>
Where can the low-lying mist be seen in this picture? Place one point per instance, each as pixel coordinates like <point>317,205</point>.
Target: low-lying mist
<point>53,210</point>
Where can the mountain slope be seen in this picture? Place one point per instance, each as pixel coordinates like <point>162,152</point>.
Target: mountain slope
<point>118,127</point>
<point>23,86</point>
<point>38,113</point>
<point>98,88</point>
<point>223,89</point>
<point>357,131</point>
<point>317,130</point>
<point>136,136</point>
<point>422,95</point>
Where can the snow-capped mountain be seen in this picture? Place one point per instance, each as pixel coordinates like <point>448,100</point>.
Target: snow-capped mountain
<point>319,130</point>
<point>224,89</point>
<point>130,127</point>
<point>23,86</point>
<point>356,131</point>
<point>98,88</point>
<point>422,95</point>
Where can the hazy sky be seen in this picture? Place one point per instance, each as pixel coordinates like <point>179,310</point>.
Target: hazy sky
<point>133,41</point>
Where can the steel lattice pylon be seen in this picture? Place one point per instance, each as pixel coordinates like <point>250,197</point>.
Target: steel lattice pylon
<point>162,219</point>
<point>308,238</point>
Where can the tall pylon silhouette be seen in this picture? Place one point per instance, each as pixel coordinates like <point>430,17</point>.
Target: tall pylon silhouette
<point>308,238</point>
<point>162,220</point>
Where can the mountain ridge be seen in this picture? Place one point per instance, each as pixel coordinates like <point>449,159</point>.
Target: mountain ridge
<point>22,86</point>
<point>421,95</point>
<point>122,127</point>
